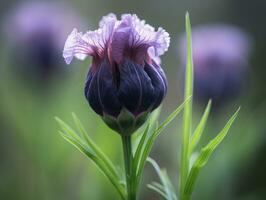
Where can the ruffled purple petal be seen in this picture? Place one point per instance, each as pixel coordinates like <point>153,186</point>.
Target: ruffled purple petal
<point>76,46</point>
<point>129,37</point>
<point>132,38</point>
<point>92,43</point>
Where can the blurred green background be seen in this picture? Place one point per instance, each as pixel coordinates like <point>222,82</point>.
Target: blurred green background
<point>36,163</point>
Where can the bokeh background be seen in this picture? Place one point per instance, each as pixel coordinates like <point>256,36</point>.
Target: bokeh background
<point>36,85</point>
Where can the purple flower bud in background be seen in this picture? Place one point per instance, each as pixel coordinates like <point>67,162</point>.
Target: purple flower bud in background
<point>125,82</point>
<point>35,32</point>
<point>220,56</point>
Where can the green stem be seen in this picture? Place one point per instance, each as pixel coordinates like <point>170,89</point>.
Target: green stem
<point>128,158</point>
<point>187,115</point>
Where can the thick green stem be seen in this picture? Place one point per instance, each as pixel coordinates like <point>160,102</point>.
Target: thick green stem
<point>128,158</point>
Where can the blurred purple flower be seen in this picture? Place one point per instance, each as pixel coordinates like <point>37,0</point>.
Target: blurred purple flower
<point>36,31</point>
<point>125,81</point>
<point>220,56</point>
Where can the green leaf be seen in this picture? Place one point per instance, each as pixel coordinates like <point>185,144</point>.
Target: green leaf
<point>137,155</point>
<point>93,146</point>
<point>152,120</point>
<point>150,124</point>
<point>158,190</point>
<point>158,185</point>
<point>72,137</point>
<point>168,188</point>
<point>154,116</point>
<point>141,145</point>
<point>205,154</point>
<point>67,129</point>
<point>200,128</point>
<point>83,149</point>
<point>187,114</point>
<point>150,141</point>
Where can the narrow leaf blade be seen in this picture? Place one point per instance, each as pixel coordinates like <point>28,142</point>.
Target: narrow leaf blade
<point>150,141</point>
<point>205,154</point>
<point>78,145</point>
<point>139,150</point>
<point>168,188</point>
<point>67,129</point>
<point>93,146</point>
<point>72,137</point>
<point>200,128</point>
<point>187,114</point>
<point>156,189</point>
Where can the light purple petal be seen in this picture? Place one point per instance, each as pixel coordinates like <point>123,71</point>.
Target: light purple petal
<point>162,39</point>
<point>143,33</point>
<point>119,43</point>
<point>91,43</point>
<point>116,38</point>
<point>110,18</point>
<point>133,34</point>
<point>156,59</point>
<point>75,46</point>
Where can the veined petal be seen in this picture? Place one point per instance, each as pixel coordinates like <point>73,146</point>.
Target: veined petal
<point>76,46</point>
<point>130,37</point>
<point>93,43</point>
<point>133,37</point>
<point>106,20</point>
<point>162,41</point>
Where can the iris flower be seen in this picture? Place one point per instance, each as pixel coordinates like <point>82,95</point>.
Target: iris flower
<point>125,81</point>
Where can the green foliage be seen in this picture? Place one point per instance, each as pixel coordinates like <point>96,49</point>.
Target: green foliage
<point>205,153</point>
<point>81,140</point>
<point>166,189</point>
<point>135,161</point>
<point>189,176</point>
<point>187,115</point>
<point>200,128</point>
<point>86,146</point>
<point>139,161</point>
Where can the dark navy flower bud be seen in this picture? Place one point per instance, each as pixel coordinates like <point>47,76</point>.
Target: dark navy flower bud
<point>125,82</point>
<point>220,56</point>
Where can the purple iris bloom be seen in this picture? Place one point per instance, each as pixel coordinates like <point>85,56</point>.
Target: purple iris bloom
<point>220,56</point>
<point>35,32</point>
<point>125,81</point>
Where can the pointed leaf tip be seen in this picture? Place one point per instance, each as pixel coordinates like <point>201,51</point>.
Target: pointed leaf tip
<point>200,128</point>
<point>205,153</point>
